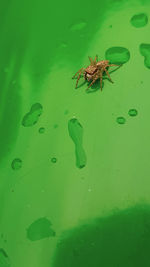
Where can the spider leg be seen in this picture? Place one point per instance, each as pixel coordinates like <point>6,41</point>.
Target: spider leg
<point>77,72</point>
<point>96,59</point>
<point>101,79</point>
<point>111,65</point>
<point>91,61</point>
<point>94,80</point>
<point>78,78</point>
<point>108,74</point>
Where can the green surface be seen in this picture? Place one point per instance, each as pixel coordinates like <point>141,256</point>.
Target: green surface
<point>69,172</point>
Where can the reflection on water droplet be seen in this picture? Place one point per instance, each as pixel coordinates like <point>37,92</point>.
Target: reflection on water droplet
<point>53,160</point>
<point>41,130</point>
<point>132,112</point>
<point>139,20</point>
<point>16,164</point>
<point>121,120</point>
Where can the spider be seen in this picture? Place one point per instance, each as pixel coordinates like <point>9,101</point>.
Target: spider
<point>94,71</point>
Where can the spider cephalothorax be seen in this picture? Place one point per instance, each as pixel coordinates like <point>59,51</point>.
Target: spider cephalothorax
<point>94,71</point>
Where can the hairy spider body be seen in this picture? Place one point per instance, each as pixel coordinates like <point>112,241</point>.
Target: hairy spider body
<point>94,71</point>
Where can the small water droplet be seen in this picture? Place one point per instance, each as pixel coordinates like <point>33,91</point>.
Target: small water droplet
<point>66,112</point>
<point>53,160</point>
<point>16,164</point>
<point>41,130</point>
<point>14,82</point>
<point>55,126</point>
<point>121,120</point>
<point>78,26</point>
<point>132,112</point>
<point>6,70</point>
<point>64,45</point>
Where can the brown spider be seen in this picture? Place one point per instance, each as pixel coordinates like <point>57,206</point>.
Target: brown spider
<point>94,71</point>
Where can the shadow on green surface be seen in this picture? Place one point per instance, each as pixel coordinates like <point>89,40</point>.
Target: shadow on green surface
<point>119,240</point>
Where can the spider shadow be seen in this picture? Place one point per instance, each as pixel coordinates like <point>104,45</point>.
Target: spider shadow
<point>96,86</point>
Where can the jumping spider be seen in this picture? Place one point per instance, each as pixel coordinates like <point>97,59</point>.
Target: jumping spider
<point>94,71</point>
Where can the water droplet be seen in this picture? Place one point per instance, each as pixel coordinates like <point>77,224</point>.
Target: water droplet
<point>33,115</point>
<point>53,160</point>
<point>76,133</point>
<point>4,260</point>
<point>139,20</point>
<point>117,55</point>
<point>41,130</point>
<point>6,70</point>
<point>145,51</point>
<point>40,229</point>
<point>16,164</point>
<point>78,26</point>
<point>121,120</point>
<point>133,112</point>
<point>64,45</point>
<point>55,126</point>
<point>14,82</point>
<point>66,112</point>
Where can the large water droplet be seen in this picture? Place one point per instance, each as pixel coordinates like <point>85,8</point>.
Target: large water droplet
<point>139,20</point>
<point>117,55</point>
<point>40,229</point>
<point>76,133</point>
<point>145,51</point>
<point>33,115</point>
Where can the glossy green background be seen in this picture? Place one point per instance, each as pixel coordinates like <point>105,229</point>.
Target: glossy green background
<point>40,50</point>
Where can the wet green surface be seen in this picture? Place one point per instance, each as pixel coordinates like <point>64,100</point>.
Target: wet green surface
<point>64,155</point>
<point>121,239</point>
